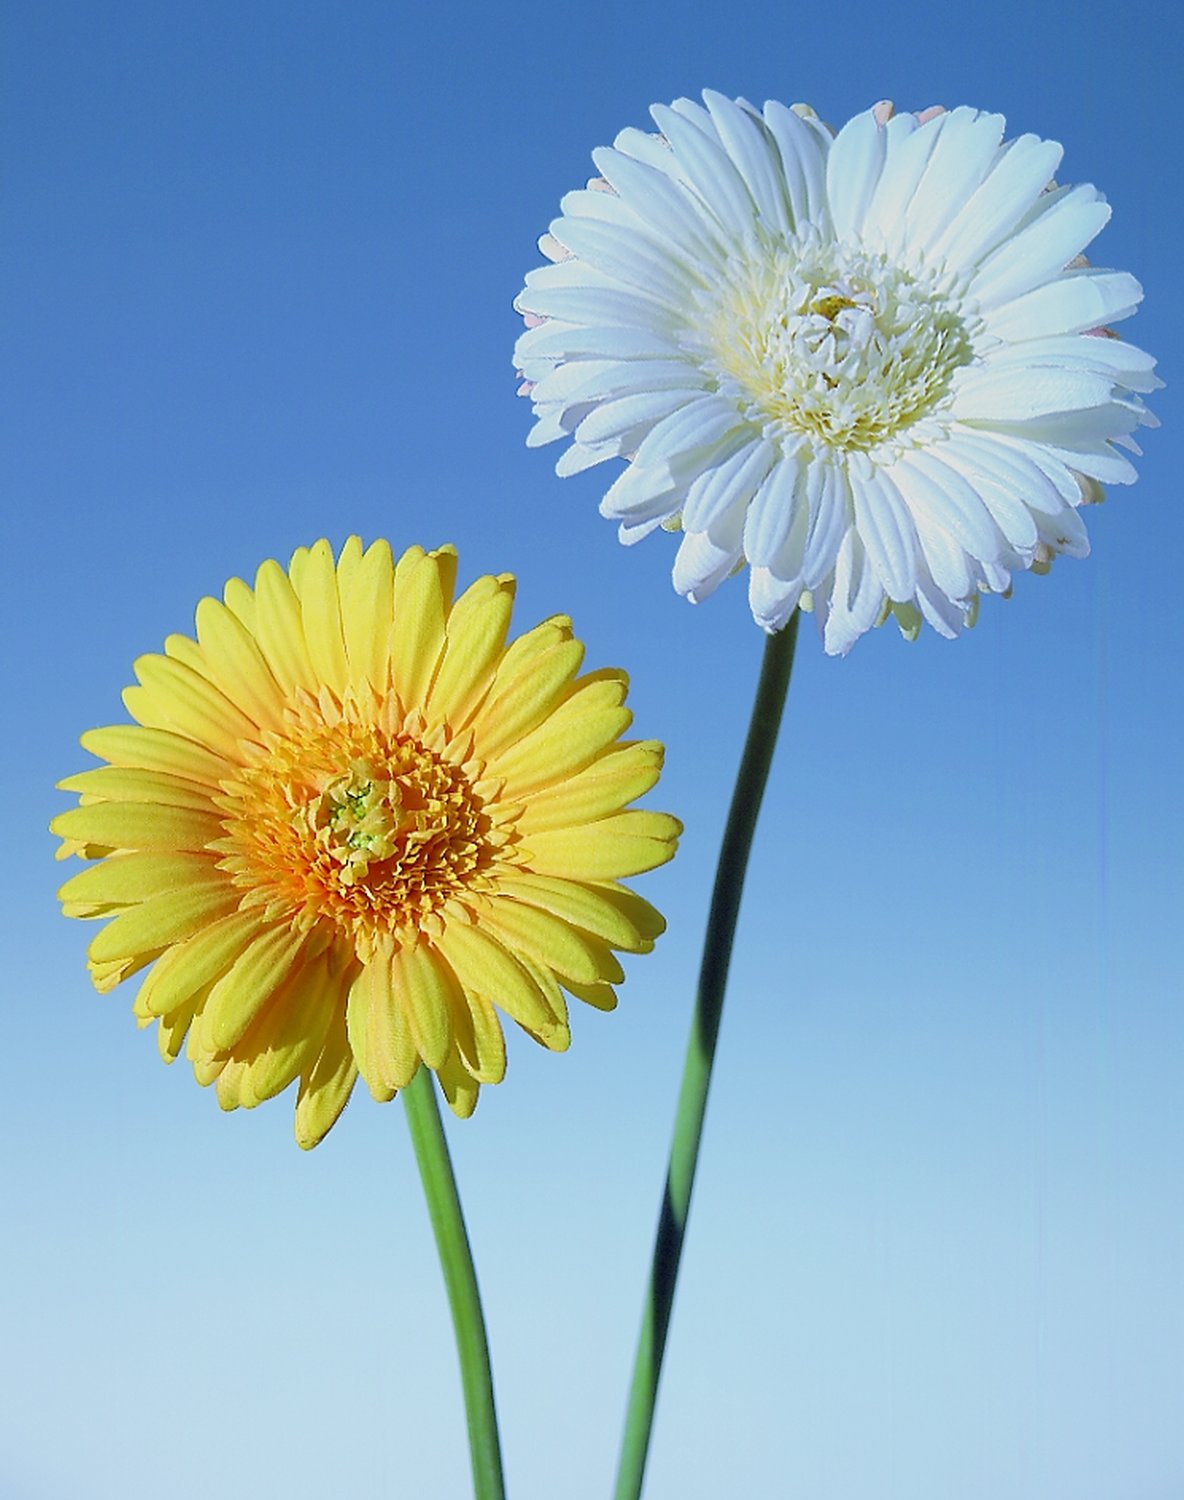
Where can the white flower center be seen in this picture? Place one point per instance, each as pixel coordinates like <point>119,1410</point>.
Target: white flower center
<point>835,343</point>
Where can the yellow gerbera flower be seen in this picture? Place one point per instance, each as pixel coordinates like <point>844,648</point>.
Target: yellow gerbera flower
<point>351,824</point>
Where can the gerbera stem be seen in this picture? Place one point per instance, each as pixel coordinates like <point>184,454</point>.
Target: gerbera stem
<point>696,1077</point>
<point>460,1279</point>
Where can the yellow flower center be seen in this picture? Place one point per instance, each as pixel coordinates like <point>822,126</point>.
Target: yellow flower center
<point>362,827</point>
<point>835,343</point>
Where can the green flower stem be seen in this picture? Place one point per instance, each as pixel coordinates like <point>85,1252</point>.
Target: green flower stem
<point>460,1278</point>
<point>696,1077</point>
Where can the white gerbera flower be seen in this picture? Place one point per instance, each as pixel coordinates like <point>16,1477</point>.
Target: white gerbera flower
<point>872,366</point>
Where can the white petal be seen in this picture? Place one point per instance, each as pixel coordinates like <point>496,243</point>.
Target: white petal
<point>709,170</point>
<point>908,153</point>
<point>699,427</point>
<point>700,118</point>
<point>772,599</point>
<point>939,498</point>
<point>557,383</point>
<point>1098,462</point>
<point>567,273</point>
<point>898,177</point>
<point>946,616</point>
<point>803,162</point>
<point>1015,394</point>
<point>548,429</point>
<point>964,152</point>
<point>734,480</point>
<point>775,508</point>
<point>639,494</point>
<point>1004,485</point>
<point>1123,363</point>
<point>855,599</point>
<point>552,341</point>
<point>597,380</point>
<point>754,153</point>
<point>631,259</point>
<point>653,223</point>
<point>701,564</point>
<point>577,458</point>
<point>541,332</point>
<point>853,171</point>
<point>1023,169</point>
<point>1060,477</point>
<point>1074,302</point>
<point>947,562</point>
<point>998,578</point>
<point>1004,462</point>
<point>886,527</point>
<point>613,418</point>
<point>651,192</point>
<point>1062,226</point>
<point>828,493</point>
<point>596,305</point>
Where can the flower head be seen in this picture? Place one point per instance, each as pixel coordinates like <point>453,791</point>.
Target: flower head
<point>871,365</point>
<point>351,825</point>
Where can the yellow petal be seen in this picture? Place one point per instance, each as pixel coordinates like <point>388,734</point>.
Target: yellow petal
<point>129,784</point>
<point>485,968</point>
<point>235,664</point>
<point>610,783</point>
<point>379,1031</point>
<point>478,1034</point>
<point>422,988</point>
<point>367,608</point>
<point>582,727</point>
<point>172,1030</point>
<point>459,1088</point>
<point>123,879</point>
<point>138,825</point>
<point>627,844</point>
<point>280,631</point>
<point>517,704</point>
<point>325,1088</point>
<point>194,707</point>
<point>164,919</point>
<point>157,750</point>
<point>105,976</point>
<point>421,608</point>
<point>229,1084</point>
<point>247,986</point>
<point>591,908</point>
<point>550,941</point>
<point>320,613</point>
<point>191,967</point>
<point>560,1038</point>
<point>289,1035</point>
<point>647,919</point>
<point>475,636</point>
<point>601,996</point>
<point>240,601</point>
<point>206,1069</point>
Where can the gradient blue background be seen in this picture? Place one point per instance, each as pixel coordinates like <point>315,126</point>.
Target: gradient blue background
<point>258,264</point>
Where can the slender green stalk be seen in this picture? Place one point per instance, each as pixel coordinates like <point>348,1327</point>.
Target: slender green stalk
<point>696,1077</point>
<point>460,1278</point>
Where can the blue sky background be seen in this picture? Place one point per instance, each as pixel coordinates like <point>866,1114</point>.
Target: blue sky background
<point>258,264</point>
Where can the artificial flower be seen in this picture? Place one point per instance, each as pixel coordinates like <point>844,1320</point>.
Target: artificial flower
<point>351,825</point>
<point>872,366</point>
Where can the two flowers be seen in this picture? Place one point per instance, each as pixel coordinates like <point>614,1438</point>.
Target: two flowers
<point>351,824</point>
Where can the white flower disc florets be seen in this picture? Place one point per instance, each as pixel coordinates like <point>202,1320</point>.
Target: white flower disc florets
<point>872,366</point>
<point>834,343</point>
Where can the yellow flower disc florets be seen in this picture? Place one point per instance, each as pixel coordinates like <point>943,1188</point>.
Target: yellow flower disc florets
<point>362,828</point>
